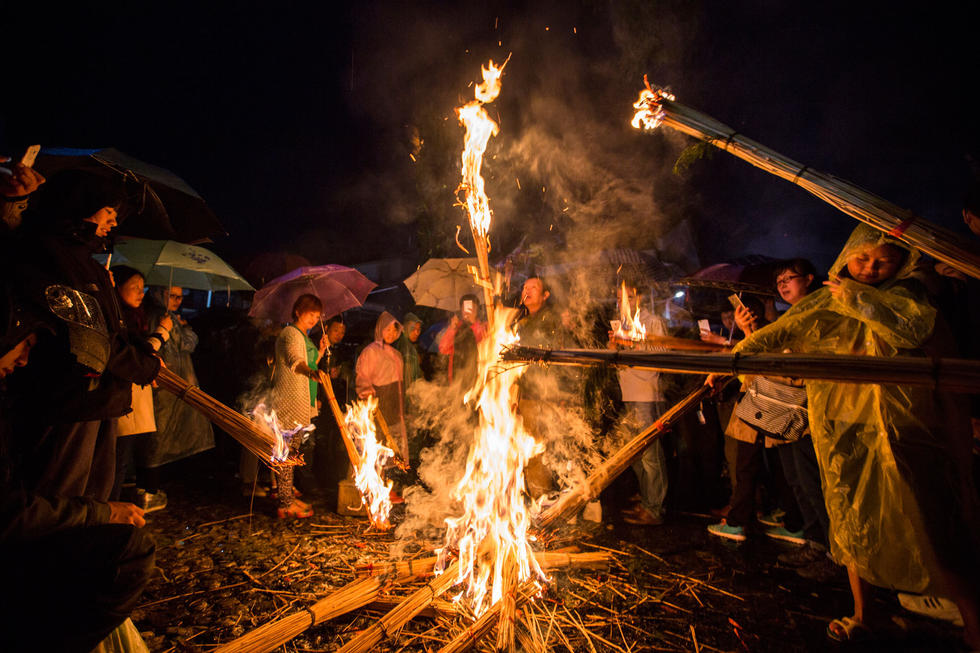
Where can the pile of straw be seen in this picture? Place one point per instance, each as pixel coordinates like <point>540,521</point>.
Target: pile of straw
<point>657,106</point>
<point>261,442</point>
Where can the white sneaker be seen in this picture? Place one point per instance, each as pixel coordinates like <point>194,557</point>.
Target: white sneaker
<point>931,606</point>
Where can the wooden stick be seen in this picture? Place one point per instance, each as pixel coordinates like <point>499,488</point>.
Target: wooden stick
<point>395,447</point>
<point>338,415</point>
<point>875,211</point>
<point>949,374</point>
<point>619,462</point>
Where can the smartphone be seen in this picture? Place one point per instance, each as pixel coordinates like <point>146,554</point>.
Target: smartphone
<point>30,155</point>
<point>735,301</point>
<point>704,326</point>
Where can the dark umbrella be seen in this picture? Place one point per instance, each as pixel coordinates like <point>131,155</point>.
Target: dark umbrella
<point>165,206</point>
<point>337,286</point>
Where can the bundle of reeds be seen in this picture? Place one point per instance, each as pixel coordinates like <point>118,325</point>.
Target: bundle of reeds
<point>948,374</point>
<point>258,440</point>
<point>619,462</point>
<point>479,628</point>
<point>276,633</point>
<point>672,343</point>
<point>657,106</point>
<point>389,625</point>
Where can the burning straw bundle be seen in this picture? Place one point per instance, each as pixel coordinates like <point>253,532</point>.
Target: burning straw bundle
<point>948,374</point>
<point>276,633</point>
<point>656,106</point>
<point>260,442</point>
<point>619,462</point>
<point>472,634</point>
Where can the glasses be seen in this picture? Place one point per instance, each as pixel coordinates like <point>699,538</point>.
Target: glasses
<point>783,281</point>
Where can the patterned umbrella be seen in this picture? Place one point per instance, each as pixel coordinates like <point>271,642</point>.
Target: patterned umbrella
<point>337,286</point>
<point>169,263</point>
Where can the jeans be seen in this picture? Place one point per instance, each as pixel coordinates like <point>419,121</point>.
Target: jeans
<point>651,467</point>
<point>800,467</point>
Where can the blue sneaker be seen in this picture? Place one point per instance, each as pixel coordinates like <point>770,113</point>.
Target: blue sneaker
<point>780,533</point>
<point>722,529</point>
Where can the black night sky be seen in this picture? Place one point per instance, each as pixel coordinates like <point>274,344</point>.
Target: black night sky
<point>296,121</point>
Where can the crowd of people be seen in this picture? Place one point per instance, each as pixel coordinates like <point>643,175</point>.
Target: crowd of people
<point>874,479</point>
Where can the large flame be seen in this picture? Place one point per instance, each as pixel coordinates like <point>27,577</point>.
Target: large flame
<point>630,326</point>
<point>491,535</point>
<point>479,128</point>
<point>368,478</point>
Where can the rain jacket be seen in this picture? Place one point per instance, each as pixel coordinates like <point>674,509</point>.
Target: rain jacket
<point>380,371</point>
<point>883,452</point>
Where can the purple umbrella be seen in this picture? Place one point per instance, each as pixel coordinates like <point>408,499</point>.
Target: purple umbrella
<point>338,287</point>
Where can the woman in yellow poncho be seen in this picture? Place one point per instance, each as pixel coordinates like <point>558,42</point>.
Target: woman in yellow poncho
<point>901,512</point>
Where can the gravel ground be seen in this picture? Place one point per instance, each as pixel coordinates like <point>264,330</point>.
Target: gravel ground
<point>225,570</point>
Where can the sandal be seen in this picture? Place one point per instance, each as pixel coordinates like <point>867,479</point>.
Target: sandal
<point>295,510</point>
<point>847,629</point>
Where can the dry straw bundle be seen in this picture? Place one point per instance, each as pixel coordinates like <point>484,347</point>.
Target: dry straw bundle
<point>276,633</point>
<point>479,628</point>
<point>657,106</point>
<point>261,442</point>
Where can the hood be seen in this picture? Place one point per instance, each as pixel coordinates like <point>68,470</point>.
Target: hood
<point>384,320</point>
<point>865,237</point>
<point>410,319</point>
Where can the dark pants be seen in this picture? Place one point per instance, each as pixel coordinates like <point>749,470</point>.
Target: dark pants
<point>803,476</point>
<point>751,464</point>
<point>68,590</point>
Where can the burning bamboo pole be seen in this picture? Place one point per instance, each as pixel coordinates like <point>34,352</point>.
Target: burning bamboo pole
<point>948,374</point>
<point>619,462</point>
<point>656,106</point>
<point>261,442</point>
<point>472,634</point>
<point>546,560</point>
<point>338,415</point>
<point>400,462</point>
<point>392,622</point>
<point>276,633</point>
<point>673,343</point>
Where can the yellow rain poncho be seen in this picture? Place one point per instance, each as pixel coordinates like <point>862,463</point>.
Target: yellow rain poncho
<point>884,455</point>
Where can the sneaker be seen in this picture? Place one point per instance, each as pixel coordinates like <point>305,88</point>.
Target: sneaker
<point>773,519</point>
<point>780,533</point>
<point>932,606</point>
<point>803,556</point>
<point>722,529</point>
<point>821,571</point>
<point>151,501</point>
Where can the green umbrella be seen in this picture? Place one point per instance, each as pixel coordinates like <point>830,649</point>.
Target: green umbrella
<point>169,263</point>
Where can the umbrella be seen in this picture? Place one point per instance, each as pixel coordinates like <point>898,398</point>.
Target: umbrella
<point>166,207</point>
<point>338,287</point>
<point>169,263</point>
<point>440,282</point>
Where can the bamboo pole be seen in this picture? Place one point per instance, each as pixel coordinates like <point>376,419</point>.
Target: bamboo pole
<point>391,623</point>
<point>259,441</point>
<point>338,415</point>
<point>395,448</point>
<point>274,634</point>
<point>472,634</point>
<point>619,462</point>
<point>657,106</point>
<point>670,342</point>
<point>947,374</point>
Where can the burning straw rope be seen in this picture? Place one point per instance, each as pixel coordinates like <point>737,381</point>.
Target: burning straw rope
<point>257,440</point>
<point>656,106</point>
<point>276,633</point>
<point>949,374</point>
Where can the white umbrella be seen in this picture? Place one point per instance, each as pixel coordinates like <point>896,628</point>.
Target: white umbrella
<point>441,282</point>
<point>169,263</point>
